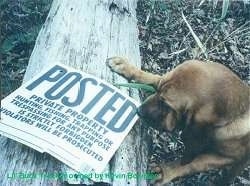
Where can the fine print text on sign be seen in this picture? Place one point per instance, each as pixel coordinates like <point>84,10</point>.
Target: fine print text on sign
<point>76,117</point>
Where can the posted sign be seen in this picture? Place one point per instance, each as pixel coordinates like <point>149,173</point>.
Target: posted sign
<point>76,117</point>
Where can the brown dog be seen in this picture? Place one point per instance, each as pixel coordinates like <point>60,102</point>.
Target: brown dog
<point>212,104</point>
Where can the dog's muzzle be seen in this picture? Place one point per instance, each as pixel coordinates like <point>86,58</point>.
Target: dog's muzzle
<point>139,112</point>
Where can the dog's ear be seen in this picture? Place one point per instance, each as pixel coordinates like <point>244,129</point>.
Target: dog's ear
<point>170,92</point>
<point>174,98</point>
<point>170,121</point>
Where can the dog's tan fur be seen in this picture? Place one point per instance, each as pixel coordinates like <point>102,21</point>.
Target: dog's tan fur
<point>211,102</point>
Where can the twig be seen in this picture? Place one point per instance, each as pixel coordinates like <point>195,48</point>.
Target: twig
<point>203,49</point>
<point>229,35</point>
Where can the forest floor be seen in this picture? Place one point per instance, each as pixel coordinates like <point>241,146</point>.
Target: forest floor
<point>20,22</point>
<point>166,41</point>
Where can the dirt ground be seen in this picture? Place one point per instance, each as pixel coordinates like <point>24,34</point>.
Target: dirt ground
<point>166,41</point>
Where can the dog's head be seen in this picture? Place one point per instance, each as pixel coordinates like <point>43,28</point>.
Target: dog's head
<point>158,112</point>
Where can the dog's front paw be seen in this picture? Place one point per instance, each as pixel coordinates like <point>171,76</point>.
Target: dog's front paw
<point>166,174</point>
<point>117,64</point>
<point>156,169</point>
<point>121,66</point>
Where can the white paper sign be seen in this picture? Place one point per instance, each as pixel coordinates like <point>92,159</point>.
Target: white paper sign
<point>76,117</point>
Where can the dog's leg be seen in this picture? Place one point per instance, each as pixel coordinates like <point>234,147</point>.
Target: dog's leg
<point>201,163</point>
<point>196,141</point>
<point>123,67</point>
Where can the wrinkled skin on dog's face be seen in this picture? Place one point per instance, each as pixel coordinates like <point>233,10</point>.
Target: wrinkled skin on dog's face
<point>157,113</point>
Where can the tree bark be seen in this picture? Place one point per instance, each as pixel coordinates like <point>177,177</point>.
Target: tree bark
<point>82,34</point>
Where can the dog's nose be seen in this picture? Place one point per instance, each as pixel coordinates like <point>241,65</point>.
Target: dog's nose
<point>139,111</point>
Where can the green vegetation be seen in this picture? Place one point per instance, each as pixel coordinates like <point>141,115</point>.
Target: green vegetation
<point>138,86</point>
<point>20,23</point>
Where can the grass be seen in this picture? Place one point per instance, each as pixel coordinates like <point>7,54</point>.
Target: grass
<point>138,86</point>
